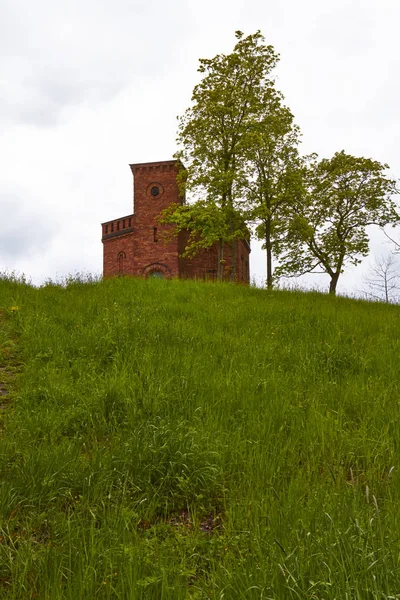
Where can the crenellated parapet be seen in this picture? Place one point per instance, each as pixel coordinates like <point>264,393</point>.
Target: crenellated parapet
<point>121,226</point>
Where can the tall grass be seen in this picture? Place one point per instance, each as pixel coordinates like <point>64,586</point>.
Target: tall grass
<point>177,440</point>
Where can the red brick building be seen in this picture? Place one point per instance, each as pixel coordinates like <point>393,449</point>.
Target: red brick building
<point>133,245</point>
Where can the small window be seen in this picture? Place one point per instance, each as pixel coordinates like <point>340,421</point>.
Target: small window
<point>121,262</point>
<point>155,238</point>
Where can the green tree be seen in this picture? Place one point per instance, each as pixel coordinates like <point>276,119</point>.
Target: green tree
<point>327,228</point>
<point>214,132</point>
<point>273,173</point>
<point>206,224</point>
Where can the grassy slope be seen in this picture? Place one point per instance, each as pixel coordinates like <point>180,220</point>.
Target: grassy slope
<point>182,440</point>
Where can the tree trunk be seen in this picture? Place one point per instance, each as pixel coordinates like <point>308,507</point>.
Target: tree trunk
<point>234,261</point>
<point>233,219</point>
<point>333,283</point>
<point>268,248</point>
<point>220,259</point>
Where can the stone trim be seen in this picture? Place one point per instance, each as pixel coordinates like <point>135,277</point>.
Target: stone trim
<point>117,233</point>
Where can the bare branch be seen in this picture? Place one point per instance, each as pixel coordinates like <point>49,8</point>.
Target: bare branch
<point>383,280</point>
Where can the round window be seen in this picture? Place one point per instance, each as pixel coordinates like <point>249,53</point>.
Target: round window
<point>157,275</point>
<point>154,191</point>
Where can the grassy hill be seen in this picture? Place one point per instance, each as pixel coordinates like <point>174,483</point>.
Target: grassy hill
<point>173,440</point>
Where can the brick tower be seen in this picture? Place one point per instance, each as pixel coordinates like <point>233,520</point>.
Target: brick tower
<point>134,245</point>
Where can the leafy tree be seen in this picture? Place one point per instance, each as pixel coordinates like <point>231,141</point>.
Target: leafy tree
<point>214,132</point>
<point>273,174</point>
<point>206,224</point>
<point>328,224</point>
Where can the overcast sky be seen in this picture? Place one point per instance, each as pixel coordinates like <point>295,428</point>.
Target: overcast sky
<point>89,86</point>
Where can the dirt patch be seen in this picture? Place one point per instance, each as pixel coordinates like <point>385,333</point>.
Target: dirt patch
<point>9,367</point>
<point>5,378</point>
<point>210,523</point>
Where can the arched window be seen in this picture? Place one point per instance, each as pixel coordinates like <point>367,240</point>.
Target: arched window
<point>210,258</point>
<point>158,270</point>
<point>121,262</point>
<point>156,274</point>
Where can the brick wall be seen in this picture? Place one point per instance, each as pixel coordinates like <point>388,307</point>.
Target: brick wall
<point>118,256</point>
<point>204,265</point>
<point>134,245</point>
<point>149,248</point>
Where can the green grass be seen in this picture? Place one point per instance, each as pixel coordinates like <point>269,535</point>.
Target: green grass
<point>173,440</point>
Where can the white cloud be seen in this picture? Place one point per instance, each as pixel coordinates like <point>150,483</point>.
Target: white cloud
<point>87,87</point>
